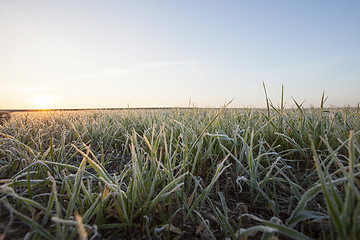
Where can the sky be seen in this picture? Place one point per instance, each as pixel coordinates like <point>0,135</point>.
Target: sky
<point>104,54</point>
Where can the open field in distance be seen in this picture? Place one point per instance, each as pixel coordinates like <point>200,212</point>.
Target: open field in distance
<point>181,174</point>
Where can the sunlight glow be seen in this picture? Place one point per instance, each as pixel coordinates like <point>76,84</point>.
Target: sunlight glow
<point>43,102</point>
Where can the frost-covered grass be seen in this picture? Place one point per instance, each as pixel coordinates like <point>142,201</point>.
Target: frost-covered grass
<point>181,173</point>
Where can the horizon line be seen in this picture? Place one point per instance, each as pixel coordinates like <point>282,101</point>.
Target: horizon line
<point>151,108</point>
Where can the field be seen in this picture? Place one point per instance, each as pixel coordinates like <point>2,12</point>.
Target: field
<point>181,174</point>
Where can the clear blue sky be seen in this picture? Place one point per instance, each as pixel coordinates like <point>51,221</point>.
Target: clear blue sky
<point>79,54</point>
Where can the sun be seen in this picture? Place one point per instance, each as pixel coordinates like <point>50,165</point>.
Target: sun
<point>43,102</point>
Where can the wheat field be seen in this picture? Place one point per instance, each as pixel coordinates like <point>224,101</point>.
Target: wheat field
<point>188,173</point>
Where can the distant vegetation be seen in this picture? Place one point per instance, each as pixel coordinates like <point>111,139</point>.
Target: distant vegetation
<point>181,174</point>
<point>4,116</point>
